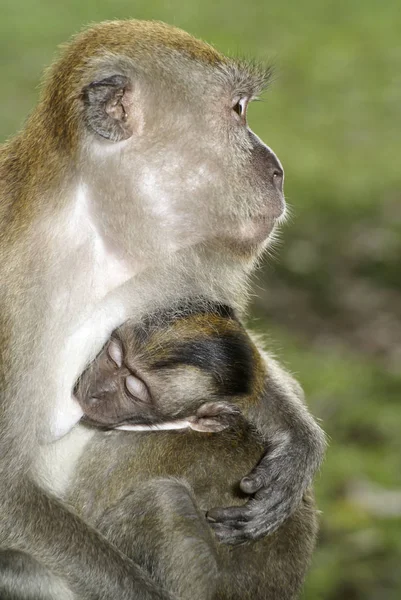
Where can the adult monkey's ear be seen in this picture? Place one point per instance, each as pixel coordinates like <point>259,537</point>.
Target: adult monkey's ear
<point>107,107</point>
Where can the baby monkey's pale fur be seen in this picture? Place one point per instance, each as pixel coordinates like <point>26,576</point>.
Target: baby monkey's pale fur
<point>134,181</point>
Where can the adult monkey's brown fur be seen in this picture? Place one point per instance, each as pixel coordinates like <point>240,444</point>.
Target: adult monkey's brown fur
<point>134,179</point>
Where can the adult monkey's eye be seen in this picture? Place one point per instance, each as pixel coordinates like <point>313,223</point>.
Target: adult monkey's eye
<point>240,107</point>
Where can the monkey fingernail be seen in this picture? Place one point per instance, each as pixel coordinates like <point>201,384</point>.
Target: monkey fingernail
<point>251,485</point>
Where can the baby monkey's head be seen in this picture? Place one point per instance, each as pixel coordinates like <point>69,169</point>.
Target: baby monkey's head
<point>168,365</point>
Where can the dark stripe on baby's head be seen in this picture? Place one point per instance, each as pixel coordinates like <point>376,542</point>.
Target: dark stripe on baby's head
<point>228,358</point>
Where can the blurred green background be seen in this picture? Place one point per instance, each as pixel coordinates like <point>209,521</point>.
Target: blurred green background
<point>330,294</point>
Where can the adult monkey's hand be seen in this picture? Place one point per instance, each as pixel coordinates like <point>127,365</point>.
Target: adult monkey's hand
<point>295,449</point>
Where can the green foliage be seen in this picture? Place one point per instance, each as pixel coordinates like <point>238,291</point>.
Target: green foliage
<point>331,301</point>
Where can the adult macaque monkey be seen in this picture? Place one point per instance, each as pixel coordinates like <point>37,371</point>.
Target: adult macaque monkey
<point>137,166</point>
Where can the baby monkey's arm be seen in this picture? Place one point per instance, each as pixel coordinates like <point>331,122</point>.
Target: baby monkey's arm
<point>210,417</point>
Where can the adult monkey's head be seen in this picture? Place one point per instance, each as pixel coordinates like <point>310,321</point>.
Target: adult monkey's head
<point>155,124</point>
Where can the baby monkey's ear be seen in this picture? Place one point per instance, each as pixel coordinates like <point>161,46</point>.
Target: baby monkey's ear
<point>214,416</point>
<point>115,352</point>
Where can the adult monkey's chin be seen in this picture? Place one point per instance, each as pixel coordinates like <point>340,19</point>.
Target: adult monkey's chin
<point>250,242</point>
<point>256,235</point>
<point>258,230</point>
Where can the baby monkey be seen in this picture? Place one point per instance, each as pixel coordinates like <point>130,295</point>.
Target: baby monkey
<point>159,374</point>
<point>193,368</point>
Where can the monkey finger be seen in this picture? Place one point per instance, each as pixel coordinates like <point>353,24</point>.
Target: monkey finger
<point>230,514</point>
<point>251,484</point>
<point>264,514</point>
<point>274,503</point>
<point>216,409</point>
<point>227,533</point>
<point>236,533</point>
<point>207,425</point>
<point>257,479</point>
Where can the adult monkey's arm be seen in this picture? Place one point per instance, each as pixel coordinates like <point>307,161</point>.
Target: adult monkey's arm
<point>295,450</point>
<point>138,148</point>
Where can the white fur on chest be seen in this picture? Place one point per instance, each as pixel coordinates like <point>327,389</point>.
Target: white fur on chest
<point>85,302</point>
<point>107,270</point>
<point>57,462</point>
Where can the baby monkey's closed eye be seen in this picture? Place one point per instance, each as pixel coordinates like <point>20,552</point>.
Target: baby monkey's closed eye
<point>137,389</point>
<point>134,386</point>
